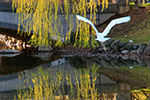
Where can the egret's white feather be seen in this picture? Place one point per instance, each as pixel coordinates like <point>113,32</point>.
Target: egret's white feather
<point>100,36</point>
<point>88,21</point>
<point>114,22</point>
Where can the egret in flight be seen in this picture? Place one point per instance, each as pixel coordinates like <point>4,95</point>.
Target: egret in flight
<point>101,36</point>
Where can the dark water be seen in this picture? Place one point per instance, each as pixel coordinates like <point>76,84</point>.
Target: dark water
<point>114,87</point>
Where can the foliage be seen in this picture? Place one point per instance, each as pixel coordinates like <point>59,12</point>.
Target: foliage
<point>131,3</point>
<point>142,94</point>
<point>51,85</point>
<point>145,4</point>
<point>42,18</point>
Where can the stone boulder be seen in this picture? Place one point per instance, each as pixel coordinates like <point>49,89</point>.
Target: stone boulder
<point>135,47</point>
<point>115,45</point>
<point>100,49</point>
<point>141,48</point>
<point>108,42</point>
<point>147,50</point>
<point>122,44</point>
<point>127,47</point>
<point>108,49</point>
<point>125,51</point>
<point>141,62</point>
<point>147,62</point>
<point>133,52</point>
<point>125,57</point>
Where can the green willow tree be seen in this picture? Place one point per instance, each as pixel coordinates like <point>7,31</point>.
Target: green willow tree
<point>42,18</point>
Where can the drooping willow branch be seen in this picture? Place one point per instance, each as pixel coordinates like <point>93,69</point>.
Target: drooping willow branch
<point>42,19</point>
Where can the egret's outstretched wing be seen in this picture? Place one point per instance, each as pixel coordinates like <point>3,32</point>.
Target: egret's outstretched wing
<point>88,21</point>
<point>114,22</point>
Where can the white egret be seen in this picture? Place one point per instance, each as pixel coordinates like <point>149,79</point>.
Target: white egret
<point>101,36</point>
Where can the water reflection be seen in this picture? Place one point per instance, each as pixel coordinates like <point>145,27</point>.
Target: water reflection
<point>70,83</point>
<point>72,78</point>
<point>12,61</point>
<point>108,62</point>
<point>143,94</point>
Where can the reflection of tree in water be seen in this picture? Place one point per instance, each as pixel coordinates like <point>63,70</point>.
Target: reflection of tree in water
<point>50,84</point>
<point>143,94</point>
<point>9,65</point>
<point>107,62</point>
<point>80,84</point>
<point>77,62</point>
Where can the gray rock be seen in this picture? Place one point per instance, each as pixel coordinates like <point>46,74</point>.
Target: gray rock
<point>135,63</point>
<point>147,50</point>
<point>135,47</point>
<point>147,62</point>
<point>45,49</point>
<point>142,62</point>
<point>108,42</point>
<point>125,57</point>
<point>115,45</point>
<point>141,48</point>
<point>121,44</point>
<point>125,51</point>
<point>100,49</point>
<point>108,49</point>
<point>116,42</point>
<point>133,52</point>
<point>127,47</point>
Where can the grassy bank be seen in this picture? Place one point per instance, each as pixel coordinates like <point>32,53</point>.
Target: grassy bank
<point>137,77</point>
<point>139,33</point>
<point>138,29</point>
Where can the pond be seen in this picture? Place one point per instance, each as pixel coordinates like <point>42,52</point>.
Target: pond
<point>48,75</point>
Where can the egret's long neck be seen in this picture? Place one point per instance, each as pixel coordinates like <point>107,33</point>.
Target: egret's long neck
<point>94,28</point>
<point>88,21</point>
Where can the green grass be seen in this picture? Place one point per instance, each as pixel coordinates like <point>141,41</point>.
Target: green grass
<point>142,73</point>
<point>139,33</point>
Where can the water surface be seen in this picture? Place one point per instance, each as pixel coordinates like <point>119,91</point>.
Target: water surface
<point>115,78</point>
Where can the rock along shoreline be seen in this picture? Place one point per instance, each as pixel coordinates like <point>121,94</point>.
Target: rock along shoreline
<point>114,49</point>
